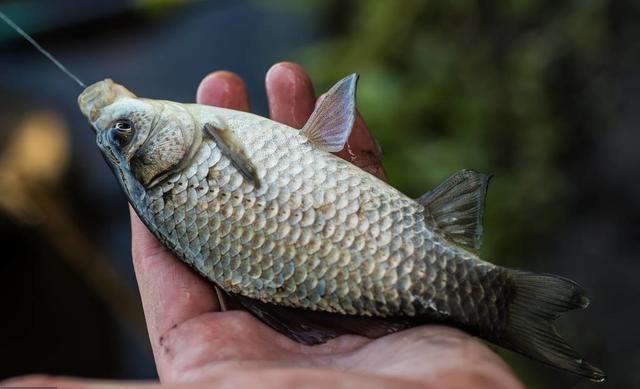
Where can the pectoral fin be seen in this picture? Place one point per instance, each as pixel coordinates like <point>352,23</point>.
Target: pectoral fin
<point>330,124</point>
<point>456,208</point>
<point>232,149</point>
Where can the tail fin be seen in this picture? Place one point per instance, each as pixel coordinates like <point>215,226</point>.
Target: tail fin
<point>537,301</point>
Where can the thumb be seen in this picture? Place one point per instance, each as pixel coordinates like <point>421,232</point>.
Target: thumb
<point>44,381</point>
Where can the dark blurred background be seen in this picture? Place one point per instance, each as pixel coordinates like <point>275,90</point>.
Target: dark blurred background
<point>544,94</point>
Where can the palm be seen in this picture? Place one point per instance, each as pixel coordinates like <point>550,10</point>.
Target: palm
<point>195,343</point>
<point>234,346</point>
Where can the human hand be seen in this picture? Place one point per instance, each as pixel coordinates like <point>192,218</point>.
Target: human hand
<point>196,345</point>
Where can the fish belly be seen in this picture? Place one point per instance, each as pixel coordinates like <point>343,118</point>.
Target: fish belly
<point>318,234</point>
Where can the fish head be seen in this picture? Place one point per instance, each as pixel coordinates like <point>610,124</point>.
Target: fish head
<point>142,140</point>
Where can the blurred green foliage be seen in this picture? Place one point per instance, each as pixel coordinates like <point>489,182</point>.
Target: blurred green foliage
<point>505,88</point>
<point>468,84</point>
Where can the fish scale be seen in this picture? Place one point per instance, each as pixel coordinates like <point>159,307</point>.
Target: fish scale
<point>311,244</point>
<point>377,257</point>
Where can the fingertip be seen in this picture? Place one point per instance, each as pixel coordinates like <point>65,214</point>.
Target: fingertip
<point>223,89</point>
<point>361,148</point>
<point>363,151</point>
<point>284,66</point>
<point>290,94</point>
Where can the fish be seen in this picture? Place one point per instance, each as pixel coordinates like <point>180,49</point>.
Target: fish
<point>312,245</point>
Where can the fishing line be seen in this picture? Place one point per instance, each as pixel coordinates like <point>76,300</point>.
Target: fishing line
<point>41,49</point>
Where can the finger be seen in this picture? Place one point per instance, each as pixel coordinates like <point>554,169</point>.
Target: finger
<point>171,293</point>
<point>238,377</point>
<point>361,148</point>
<point>223,89</point>
<point>37,381</point>
<point>290,94</point>
<point>307,378</point>
<point>292,100</point>
<point>363,151</point>
<point>438,354</point>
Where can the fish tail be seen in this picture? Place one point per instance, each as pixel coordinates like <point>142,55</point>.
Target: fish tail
<point>537,301</point>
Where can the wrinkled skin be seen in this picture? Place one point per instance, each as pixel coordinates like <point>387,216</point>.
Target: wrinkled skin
<point>196,345</point>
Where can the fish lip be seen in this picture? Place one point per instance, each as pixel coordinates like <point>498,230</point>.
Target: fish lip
<point>95,97</point>
<point>116,163</point>
<point>105,146</point>
<point>99,95</point>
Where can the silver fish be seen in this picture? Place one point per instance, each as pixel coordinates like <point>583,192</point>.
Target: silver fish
<point>309,243</point>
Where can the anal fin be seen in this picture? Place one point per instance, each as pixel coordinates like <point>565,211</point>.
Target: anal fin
<point>313,327</point>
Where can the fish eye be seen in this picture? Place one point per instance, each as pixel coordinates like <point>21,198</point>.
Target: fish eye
<point>123,125</point>
<point>121,132</point>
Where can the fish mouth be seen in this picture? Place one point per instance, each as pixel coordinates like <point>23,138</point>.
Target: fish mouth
<point>99,95</point>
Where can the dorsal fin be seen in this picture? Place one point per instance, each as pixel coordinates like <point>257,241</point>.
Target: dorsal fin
<point>456,208</point>
<point>330,124</point>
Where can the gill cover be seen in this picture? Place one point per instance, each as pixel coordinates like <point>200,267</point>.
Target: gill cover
<point>163,137</point>
<point>171,144</point>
